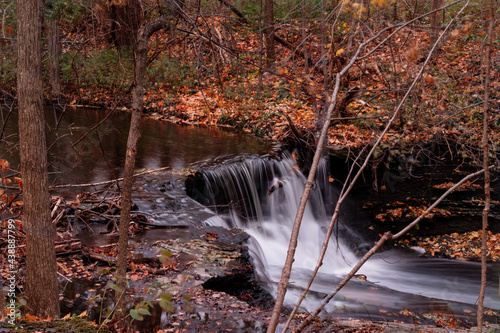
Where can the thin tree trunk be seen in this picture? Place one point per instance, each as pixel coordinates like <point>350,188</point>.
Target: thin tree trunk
<point>261,46</point>
<point>269,32</point>
<point>435,4</point>
<point>304,35</point>
<point>54,50</point>
<point>487,196</point>
<point>140,65</point>
<point>366,6</point>
<point>140,60</point>
<point>42,292</point>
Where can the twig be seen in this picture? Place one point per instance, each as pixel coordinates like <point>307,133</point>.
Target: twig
<point>56,207</point>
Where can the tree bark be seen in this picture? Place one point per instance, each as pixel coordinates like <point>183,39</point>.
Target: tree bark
<point>487,190</point>
<point>435,4</point>
<point>140,59</point>
<point>42,294</point>
<point>54,51</point>
<point>140,65</point>
<point>269,32</point>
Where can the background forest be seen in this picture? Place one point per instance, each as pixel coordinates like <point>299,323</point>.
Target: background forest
<point>214,65</point>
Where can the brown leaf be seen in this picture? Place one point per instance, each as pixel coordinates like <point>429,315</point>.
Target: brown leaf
<point>413,53</point>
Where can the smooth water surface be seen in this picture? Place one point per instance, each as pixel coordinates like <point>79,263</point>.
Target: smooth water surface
<point>100,156</point>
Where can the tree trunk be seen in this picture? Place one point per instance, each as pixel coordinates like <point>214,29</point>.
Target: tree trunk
<point>435,4</point>
<point>366,7</point>
<point>487,195</point>
<point>269,32</point>
<point>42,294</point>
<point>54,50</point>
<point>140,65</point>
<point>304,35</point>
<point>140,59</point>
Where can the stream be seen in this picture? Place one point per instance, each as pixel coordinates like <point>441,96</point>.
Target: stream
<point>243,182</point>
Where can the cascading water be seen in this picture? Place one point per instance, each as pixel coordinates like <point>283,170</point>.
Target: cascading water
<point>261,196</point>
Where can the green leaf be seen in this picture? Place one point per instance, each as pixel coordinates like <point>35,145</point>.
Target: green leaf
<point>187,297</point>
<point>134,314</point>
<point>116,287</point>
<point>104,271</point>
<point>144,312</point>
<point>167,306</point>
<point>167,297</point>
<point>166,253</point>
<point>164,259</point>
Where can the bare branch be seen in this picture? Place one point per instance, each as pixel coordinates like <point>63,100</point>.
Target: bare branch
<point>385,237</point>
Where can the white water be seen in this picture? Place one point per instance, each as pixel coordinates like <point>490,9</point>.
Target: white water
<point>264,196</point>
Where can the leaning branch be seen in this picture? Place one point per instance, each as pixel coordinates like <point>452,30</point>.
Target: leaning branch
<point>106,182</point>
<point>385,237</point>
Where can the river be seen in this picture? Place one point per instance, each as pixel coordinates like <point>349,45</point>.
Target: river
<point>248,183</point>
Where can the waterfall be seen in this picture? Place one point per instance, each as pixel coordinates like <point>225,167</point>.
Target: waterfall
<point>261,196</point>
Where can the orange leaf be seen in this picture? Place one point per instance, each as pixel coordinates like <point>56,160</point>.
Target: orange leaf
<point>30,317</point>
<point>19,182</point>
<point>4,165</point>
<point>429,79</point>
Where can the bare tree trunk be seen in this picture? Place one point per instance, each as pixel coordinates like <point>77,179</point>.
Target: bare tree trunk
<point>261,47</point>
<point>304,35</point>
<point>140,58</point>
<point>54,49</point>
<point>366,5</point>
<point>269,32</point>
<point>487,196</point>
<point>140,65</point>
<point>435,4</point>
<point>42,292</point>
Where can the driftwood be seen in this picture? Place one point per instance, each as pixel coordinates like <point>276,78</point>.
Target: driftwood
<point>63,247</point>
<point>107,182</point>
<point>100,257</point>
<point>68,247</point>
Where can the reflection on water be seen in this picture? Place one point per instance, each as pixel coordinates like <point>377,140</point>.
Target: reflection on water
<point>100,156</point>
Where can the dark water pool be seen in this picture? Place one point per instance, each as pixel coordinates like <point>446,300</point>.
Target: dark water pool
<point>100,155</point>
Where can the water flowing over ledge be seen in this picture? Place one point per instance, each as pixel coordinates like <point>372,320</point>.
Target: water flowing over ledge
<point>261,196</point>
